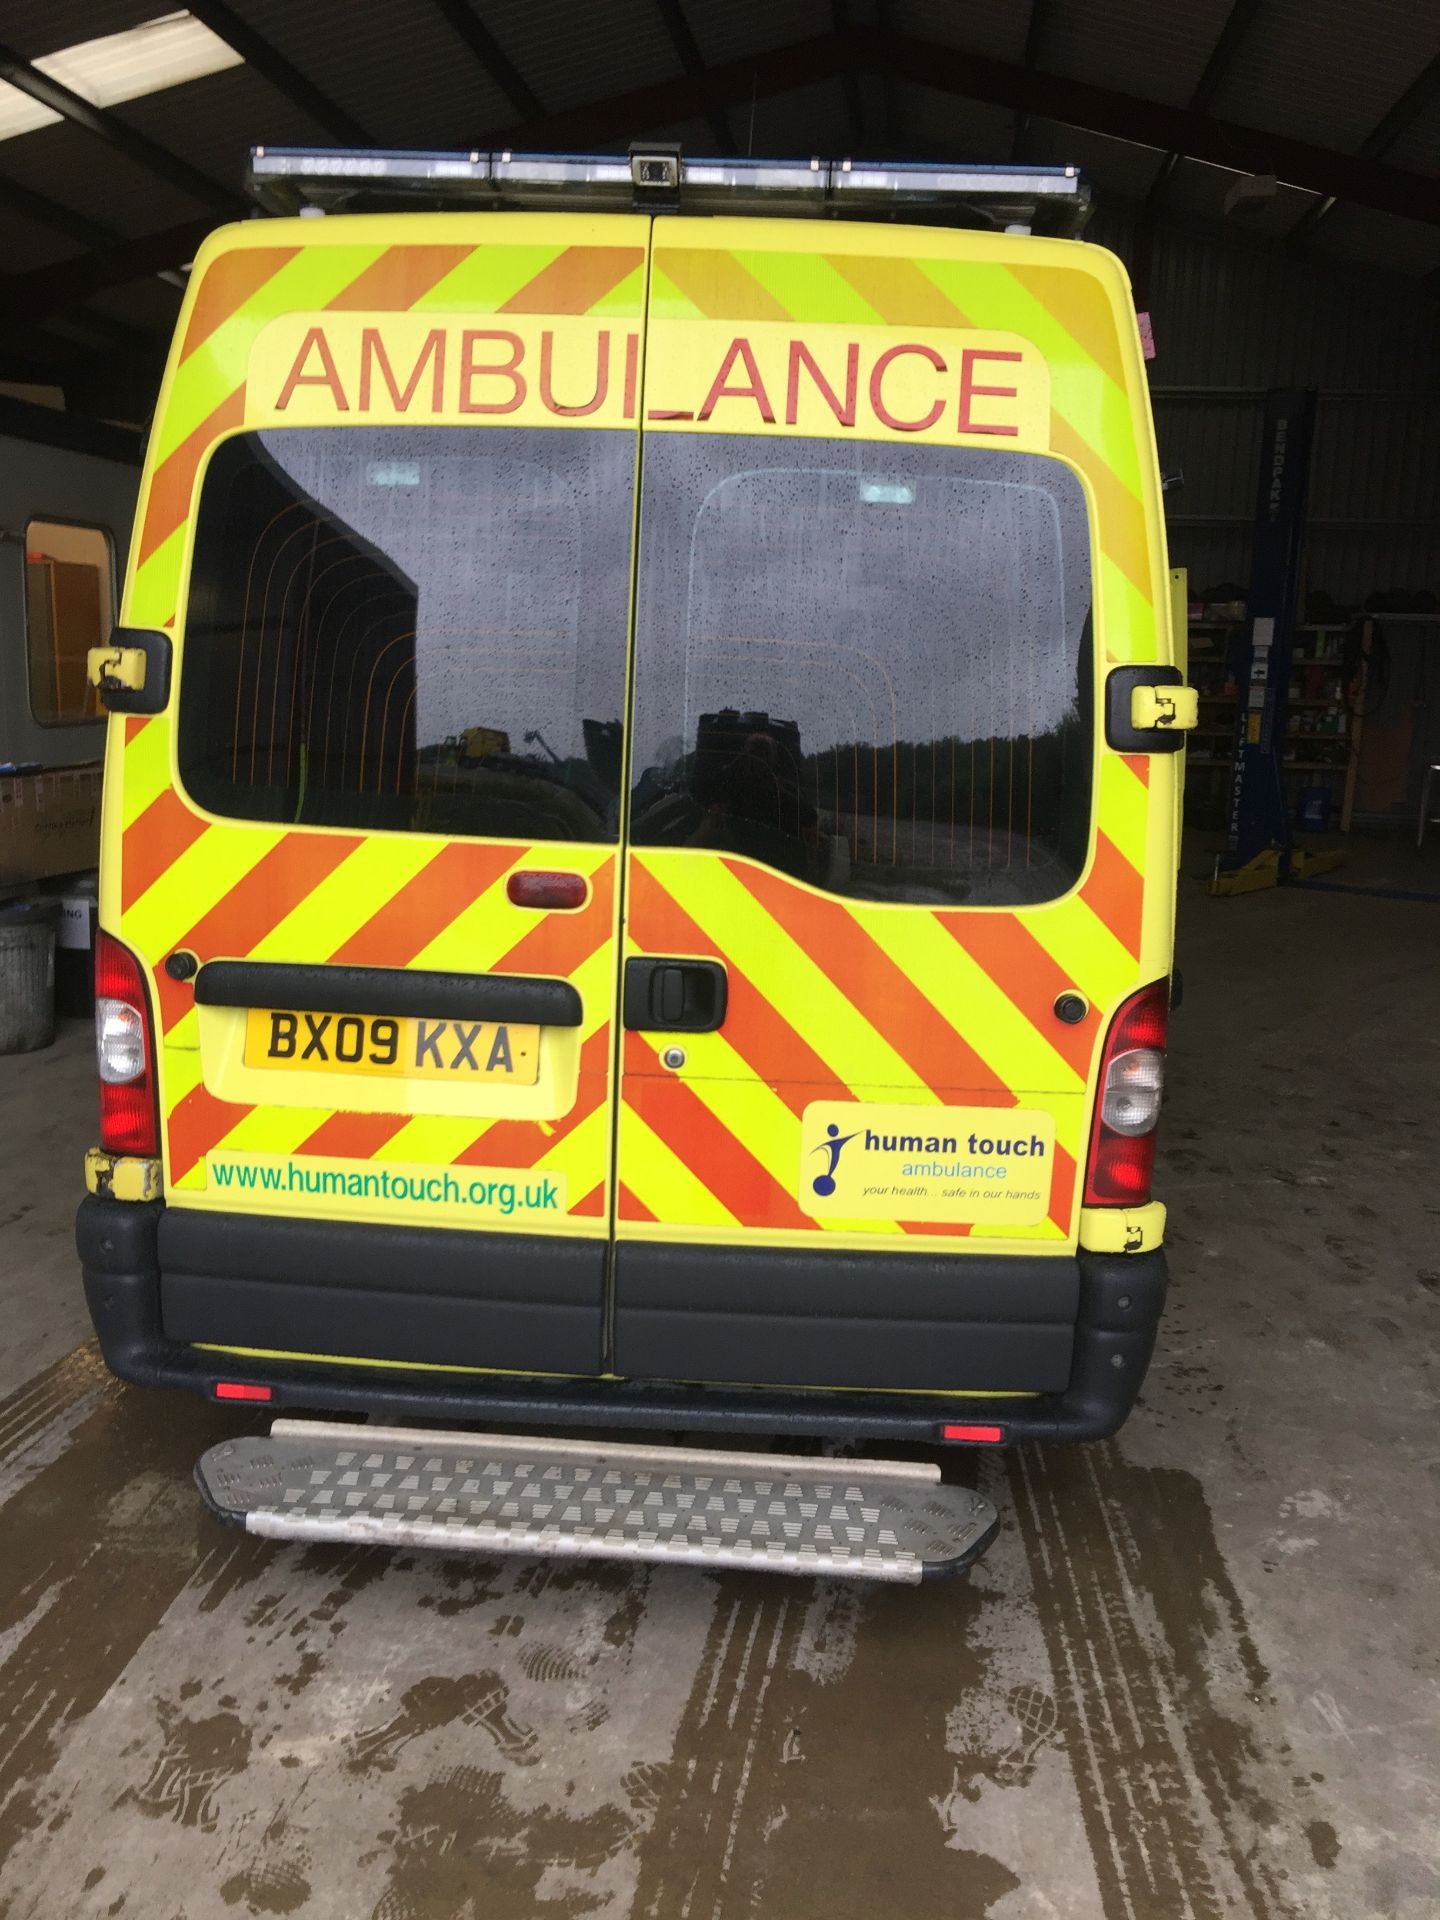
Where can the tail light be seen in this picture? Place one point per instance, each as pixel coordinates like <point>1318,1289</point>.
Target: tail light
<point>1132,1078</point>
<point>124,1051</point>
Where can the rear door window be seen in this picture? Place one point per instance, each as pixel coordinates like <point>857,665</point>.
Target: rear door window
<point>866,665</point>
<point>417,629</point>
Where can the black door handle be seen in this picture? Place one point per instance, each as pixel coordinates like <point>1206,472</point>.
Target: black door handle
<point>674,996</point>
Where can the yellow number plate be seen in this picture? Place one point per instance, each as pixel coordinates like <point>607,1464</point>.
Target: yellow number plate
<point>402,1049</point>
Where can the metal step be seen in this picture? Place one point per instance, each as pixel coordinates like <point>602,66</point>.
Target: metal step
<point>596,1499</point>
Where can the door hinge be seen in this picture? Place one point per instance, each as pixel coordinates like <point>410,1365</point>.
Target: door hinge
<point>1177,707</point>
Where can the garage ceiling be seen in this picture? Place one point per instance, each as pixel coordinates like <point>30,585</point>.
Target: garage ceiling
<point>1165,107</point>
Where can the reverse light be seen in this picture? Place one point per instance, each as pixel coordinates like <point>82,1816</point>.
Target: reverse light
<point>1132,1079</point>
<point>124,1052</point>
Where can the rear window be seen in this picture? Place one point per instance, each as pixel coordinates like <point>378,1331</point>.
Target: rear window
<point>419,629</point>
<point>866,665</point>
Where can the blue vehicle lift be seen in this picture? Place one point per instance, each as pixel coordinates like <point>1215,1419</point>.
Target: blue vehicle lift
<point>1260,849</point>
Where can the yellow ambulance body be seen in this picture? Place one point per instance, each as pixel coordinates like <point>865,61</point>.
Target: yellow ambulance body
<point>639,830</point>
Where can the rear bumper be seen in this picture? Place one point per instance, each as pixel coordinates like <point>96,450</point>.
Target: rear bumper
<point>148,1324</point>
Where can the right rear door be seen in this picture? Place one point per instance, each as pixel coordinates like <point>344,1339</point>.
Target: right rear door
<point>891,517</point>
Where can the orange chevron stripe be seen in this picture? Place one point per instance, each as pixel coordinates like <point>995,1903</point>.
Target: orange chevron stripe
<point>1122,519</point>
<point>227,285</point>
<point>135,725</point>
<point>196,1124</point>
<point>173,483</point>
<point>520,1143</point>
<point>576,280</point>
<point>425,905</point>
<point>398,279</point>
<point>1139,765</point>
<point>353,1136</point>
<point>632,1208</point>
<point>718,284</point>
<point>753,1192</point>
<point>155,840</point>
<point>1115,892</point>
<point>287,874</point>
<point>1077,303</point>
<point>1062,1188</point>
<point>936,1054</point>
<point>899,292</point>
<point>956,1229</point>
<point>563,942</point>
<point>592,1202</point>
<point>1028,977</point>
<point>769,1046</point>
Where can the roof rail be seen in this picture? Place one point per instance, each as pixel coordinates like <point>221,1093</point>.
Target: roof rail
<point>657,177</point>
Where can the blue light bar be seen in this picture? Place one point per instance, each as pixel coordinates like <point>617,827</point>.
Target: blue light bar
<point>658,178</point>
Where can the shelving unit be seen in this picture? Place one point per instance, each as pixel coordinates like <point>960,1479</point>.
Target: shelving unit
<point>1319,724</point>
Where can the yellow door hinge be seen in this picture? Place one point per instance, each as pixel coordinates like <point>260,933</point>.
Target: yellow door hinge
<point>1176,709</point>
<point>115,1176</point>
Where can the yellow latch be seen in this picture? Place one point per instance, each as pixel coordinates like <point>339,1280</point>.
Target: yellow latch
<point>115,1176</point>
<point>110,667</point>
<point>1176,709</point>
<point>1123,1229</point>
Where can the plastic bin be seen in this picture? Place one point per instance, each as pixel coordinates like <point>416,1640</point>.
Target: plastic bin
<point>27,975</point>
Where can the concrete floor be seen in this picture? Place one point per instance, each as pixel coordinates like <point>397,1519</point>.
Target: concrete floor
<point>1197,1677</point>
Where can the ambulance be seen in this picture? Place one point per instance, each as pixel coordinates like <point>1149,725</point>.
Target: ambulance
<point>639,845</point>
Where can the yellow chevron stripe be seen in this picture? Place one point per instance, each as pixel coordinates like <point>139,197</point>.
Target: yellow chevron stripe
<point>801,992</point>
<point>964,994</point>
<point>346,898</point>
<point>1129,616</point>
<point>582,1156</point>
<point>1080,943</point>
<point>667,302</point>
<point>491,276</point>
<point>146,769</point>
<point>1124,808</point>
<point>194,884</point>
<point>305,284</point>
<point>485,929</point>
<point>660,1179</point>
<point>808,284</point>
<point>751,1110</point>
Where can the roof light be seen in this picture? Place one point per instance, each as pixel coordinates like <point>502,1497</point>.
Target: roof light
<point>287,180</point>
<point>121,66</point>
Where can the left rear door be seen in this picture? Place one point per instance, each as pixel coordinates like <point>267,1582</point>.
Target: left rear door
<point>388,519</point>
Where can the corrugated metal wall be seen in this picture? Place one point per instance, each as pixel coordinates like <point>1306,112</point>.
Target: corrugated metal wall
<point>1233,318</point>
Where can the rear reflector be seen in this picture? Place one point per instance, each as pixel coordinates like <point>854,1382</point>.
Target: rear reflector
<point>985,1436</point>
<point>240,1390</point>
<point>535,889</point>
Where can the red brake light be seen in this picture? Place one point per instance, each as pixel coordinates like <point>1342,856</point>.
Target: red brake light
<point>241,1390</point>
<point>125,1051</point>
<point>980,1435</point>
<point>1127,1105</point>
<point>535,889</point>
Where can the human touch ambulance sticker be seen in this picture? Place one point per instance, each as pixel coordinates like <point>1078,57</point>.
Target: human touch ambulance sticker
<point>989,1165</point>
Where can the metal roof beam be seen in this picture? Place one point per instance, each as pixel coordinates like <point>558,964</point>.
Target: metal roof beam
<point>854,100</point>
<point>462,18</point>
<point>1422,91</point>
<point>27,298</point>
<point>272,66</point>
<point>691,59</point>
<point>115,132</point>
<point>1238,22</point>
<point>1002,83</point>
<point>1035,31</point>
<point>44,212</point>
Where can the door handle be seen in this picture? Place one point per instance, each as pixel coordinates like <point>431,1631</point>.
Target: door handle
<point>674,996</point>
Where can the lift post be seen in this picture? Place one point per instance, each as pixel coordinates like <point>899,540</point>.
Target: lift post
<point>1259,847</point>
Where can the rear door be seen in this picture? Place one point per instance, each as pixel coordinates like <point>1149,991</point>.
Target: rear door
<point>884,886</point>
<point>390,524</point>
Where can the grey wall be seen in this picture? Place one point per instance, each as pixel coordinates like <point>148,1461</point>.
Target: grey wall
<point>1234,317</point>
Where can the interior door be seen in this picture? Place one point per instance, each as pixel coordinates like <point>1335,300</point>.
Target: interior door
<point>872,934</point>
